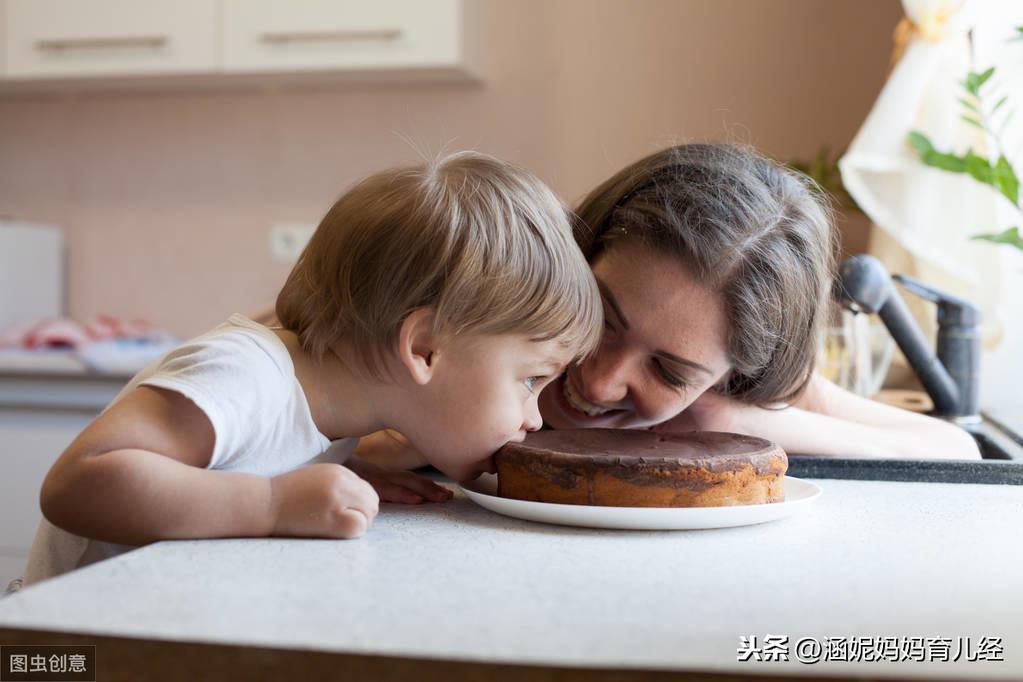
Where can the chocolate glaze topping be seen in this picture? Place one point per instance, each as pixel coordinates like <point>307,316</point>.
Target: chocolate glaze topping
<point>647,450</point>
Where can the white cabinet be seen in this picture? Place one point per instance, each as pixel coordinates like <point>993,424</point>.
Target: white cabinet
<point>41,412</point>
<point>146,43</point>
<point>30,442</point>
<point>268,35</point>
<point>96,38</point>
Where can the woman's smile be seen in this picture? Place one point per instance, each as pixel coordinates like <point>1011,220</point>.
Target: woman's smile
<point>581,404</point>
<point>575,411</point>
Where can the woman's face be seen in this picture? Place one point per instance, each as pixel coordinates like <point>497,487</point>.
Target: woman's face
<point>663,345</point>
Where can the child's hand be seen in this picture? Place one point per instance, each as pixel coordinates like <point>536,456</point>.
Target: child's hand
<point>322,500</point>
<point>399,486</point>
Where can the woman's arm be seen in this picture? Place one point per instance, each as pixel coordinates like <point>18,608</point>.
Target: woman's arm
<point>896,432</point>
<point>828,420</point>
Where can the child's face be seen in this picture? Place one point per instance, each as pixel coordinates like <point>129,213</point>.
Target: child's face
<point>482,395</point>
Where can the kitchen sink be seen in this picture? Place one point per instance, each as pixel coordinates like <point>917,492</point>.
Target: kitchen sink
<point>1002,463</point>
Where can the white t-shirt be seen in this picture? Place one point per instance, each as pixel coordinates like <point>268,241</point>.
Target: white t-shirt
<point>241,376</point>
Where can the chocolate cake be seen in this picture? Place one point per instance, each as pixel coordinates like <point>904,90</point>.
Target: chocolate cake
<point>632,468</point>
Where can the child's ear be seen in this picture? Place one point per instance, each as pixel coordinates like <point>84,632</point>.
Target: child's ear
<point>417,346</point>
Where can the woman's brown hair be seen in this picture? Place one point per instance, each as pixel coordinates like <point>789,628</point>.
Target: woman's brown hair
<point>747,227</point>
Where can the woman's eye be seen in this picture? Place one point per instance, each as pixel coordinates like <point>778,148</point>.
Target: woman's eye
<point>607,318</point>
<point>531,382</point>
<point>668,377</point>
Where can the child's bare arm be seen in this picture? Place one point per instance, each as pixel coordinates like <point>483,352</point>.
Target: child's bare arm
<point>136,475</point>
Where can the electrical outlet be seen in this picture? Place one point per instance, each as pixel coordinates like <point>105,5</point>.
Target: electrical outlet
<point>288,240</point>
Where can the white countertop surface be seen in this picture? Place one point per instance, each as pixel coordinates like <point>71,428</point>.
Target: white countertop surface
<point>455,581</point>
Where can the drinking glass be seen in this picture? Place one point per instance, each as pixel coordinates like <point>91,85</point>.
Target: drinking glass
<point>855,352</point>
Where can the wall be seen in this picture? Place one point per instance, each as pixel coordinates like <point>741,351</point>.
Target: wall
<point>168,198</point>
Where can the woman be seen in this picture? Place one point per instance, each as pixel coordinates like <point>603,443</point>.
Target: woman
<point>716,267</point>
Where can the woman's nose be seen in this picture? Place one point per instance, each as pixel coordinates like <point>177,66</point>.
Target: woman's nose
<point>605,376</point>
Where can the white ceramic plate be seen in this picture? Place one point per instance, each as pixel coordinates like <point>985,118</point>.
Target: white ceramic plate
<point>798,495</point>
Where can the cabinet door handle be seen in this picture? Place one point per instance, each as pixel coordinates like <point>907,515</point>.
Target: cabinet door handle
<point>369,35</point>
<point>113,42</point>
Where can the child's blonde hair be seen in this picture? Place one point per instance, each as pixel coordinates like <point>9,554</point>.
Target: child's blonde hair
<point>484,243</point>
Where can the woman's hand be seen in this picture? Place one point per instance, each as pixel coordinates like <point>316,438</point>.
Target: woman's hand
<point>322,501</point>
<point>399,486</point>
<point>389,450</point>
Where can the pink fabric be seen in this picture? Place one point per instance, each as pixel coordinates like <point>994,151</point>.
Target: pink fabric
<point>65,333</point>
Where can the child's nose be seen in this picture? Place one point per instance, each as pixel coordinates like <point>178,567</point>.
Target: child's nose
<point>533,420</point>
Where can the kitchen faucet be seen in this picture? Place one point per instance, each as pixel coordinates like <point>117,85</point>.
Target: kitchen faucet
<point>951,378</point>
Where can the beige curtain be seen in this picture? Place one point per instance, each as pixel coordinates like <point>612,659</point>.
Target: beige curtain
<point>923,217</point>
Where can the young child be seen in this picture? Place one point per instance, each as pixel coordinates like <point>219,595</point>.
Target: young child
<point>435,300</point>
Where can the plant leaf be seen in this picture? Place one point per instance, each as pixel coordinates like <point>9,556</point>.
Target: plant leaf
<point>985,76</point>
<point>979,168</point>
<point>1010,236</point>
<point>975,80</point>
<point>973,122</point>
<point>971,84</point>
<point>819,166</point>
<point>947,162</point>
<point>920,143</point>
<point>1004,178</point>
<point>1000,103</point>
<point>969,105</point>
<point>932,157</point>
<point>1005,121</point>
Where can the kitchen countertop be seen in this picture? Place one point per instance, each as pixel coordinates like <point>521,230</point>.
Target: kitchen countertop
<point>458,583</point>
<point>55,380</point>
<point>51,363</point>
